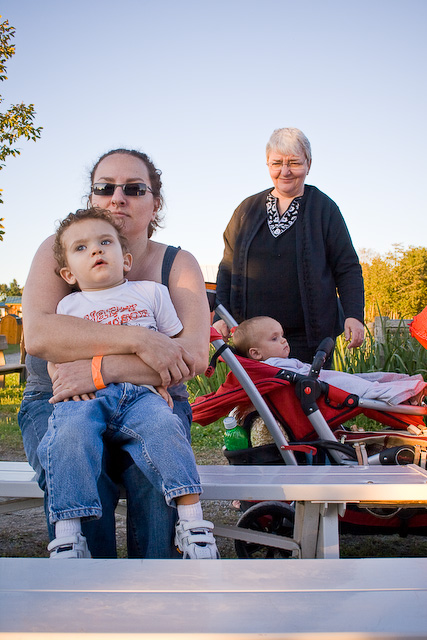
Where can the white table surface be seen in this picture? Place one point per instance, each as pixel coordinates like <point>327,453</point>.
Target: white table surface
<point>317,483</point>
<point>320,493</point>
<point>360,598</point>
<point>303,483</point>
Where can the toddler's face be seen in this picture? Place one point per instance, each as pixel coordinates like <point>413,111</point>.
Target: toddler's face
<point>94,255</point>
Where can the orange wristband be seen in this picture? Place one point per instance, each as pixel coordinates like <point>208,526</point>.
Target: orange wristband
<point>96,372</point>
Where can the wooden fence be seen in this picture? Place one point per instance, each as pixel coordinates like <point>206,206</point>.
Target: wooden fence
<point>383,326</point>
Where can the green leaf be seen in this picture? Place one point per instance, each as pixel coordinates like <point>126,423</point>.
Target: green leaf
<point>17,121</point>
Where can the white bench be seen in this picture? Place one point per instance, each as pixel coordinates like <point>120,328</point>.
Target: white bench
<point>352,599</point>
<point>320,494</point>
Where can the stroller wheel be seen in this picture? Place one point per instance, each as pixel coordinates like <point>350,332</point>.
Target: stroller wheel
<point>267,517</point>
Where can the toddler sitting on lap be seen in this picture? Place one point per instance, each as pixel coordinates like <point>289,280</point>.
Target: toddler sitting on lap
<point>91,254</point>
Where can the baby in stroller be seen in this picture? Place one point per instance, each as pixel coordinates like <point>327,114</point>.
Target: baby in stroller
<point>261,338</point>
<point>281,418</point>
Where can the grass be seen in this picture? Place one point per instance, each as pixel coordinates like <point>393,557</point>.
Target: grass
<point>212,435</point>
<point>209,437</point>
<point>10,400</point>
<point>201,385</point>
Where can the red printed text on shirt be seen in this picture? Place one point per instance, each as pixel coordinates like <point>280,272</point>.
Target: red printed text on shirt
<point>117,314</point>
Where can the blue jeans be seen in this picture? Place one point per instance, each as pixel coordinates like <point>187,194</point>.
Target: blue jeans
<point>135,419</point>
<point>150,522</point>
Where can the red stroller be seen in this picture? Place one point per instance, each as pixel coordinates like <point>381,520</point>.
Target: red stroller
<point>303,419</point>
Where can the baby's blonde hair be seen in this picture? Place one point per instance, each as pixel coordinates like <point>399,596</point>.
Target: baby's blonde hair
<point>245,335</point>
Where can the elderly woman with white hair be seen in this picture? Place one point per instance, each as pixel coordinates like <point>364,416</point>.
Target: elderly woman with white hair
<point>288,255</point>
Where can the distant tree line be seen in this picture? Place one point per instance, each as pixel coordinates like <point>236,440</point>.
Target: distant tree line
<point>12,289</point>
<point>395,283</point>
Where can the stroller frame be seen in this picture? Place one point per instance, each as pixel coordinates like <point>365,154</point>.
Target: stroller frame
<point>308,389</point>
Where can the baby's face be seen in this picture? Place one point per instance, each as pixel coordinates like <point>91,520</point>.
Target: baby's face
<point>270,340</point>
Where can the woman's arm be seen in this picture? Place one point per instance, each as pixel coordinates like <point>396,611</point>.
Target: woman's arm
<point>346,268</point>
<point>71,379</point>
<point>188,293</point>
<point>248,210</point>
<point>223,279</point>
<point>62,338</point>
<point>349,282</point>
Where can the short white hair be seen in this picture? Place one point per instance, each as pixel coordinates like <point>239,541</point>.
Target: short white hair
<point>289,141</point>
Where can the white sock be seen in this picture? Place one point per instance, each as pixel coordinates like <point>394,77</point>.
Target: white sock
<point>69,527</point>
<point>190,511</point>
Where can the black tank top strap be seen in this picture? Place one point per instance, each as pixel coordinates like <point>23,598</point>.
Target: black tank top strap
<point>177,391</point>
<point>168,259</point>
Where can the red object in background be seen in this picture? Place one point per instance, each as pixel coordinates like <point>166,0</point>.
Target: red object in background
<point>418,328</point>
<point>211,293</point>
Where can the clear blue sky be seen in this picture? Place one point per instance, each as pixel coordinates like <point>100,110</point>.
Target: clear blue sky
<point>200,86</point>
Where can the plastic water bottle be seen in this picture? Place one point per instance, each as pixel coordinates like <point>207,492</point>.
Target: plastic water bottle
<point>235,436</point>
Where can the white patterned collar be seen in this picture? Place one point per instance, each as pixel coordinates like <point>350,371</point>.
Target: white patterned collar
<point>279,224</point>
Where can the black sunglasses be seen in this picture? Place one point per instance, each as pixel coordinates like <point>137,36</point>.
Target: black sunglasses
<point>129,189</point>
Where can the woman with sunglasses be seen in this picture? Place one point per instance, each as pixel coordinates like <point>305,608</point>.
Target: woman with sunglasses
<point>288,254</point>
<point>127,184</point>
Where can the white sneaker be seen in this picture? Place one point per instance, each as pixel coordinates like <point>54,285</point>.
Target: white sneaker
<point>195,541</point>
<point>69,547</point>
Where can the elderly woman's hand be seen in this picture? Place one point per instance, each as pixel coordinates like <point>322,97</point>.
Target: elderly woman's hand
<point>354,332</point>
<point>222,328</point>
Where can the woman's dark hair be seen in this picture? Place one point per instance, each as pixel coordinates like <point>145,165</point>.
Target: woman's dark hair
<point>155,179</point>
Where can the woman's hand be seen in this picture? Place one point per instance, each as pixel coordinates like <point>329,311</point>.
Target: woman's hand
<point>222,327</point>
<point>72,380</point>
<point>161,362</point>
<point>354,332</point>
<point>168,357</point>
<point>164,393</point>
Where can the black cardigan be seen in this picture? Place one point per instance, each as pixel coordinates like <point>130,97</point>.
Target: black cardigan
<point>326,261</point>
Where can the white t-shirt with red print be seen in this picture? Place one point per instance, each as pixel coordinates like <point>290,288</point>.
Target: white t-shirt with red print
<point>142,303</point>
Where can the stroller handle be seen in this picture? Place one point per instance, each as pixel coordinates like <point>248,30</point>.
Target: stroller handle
<point>226,316</point>
<point>323,352</point>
